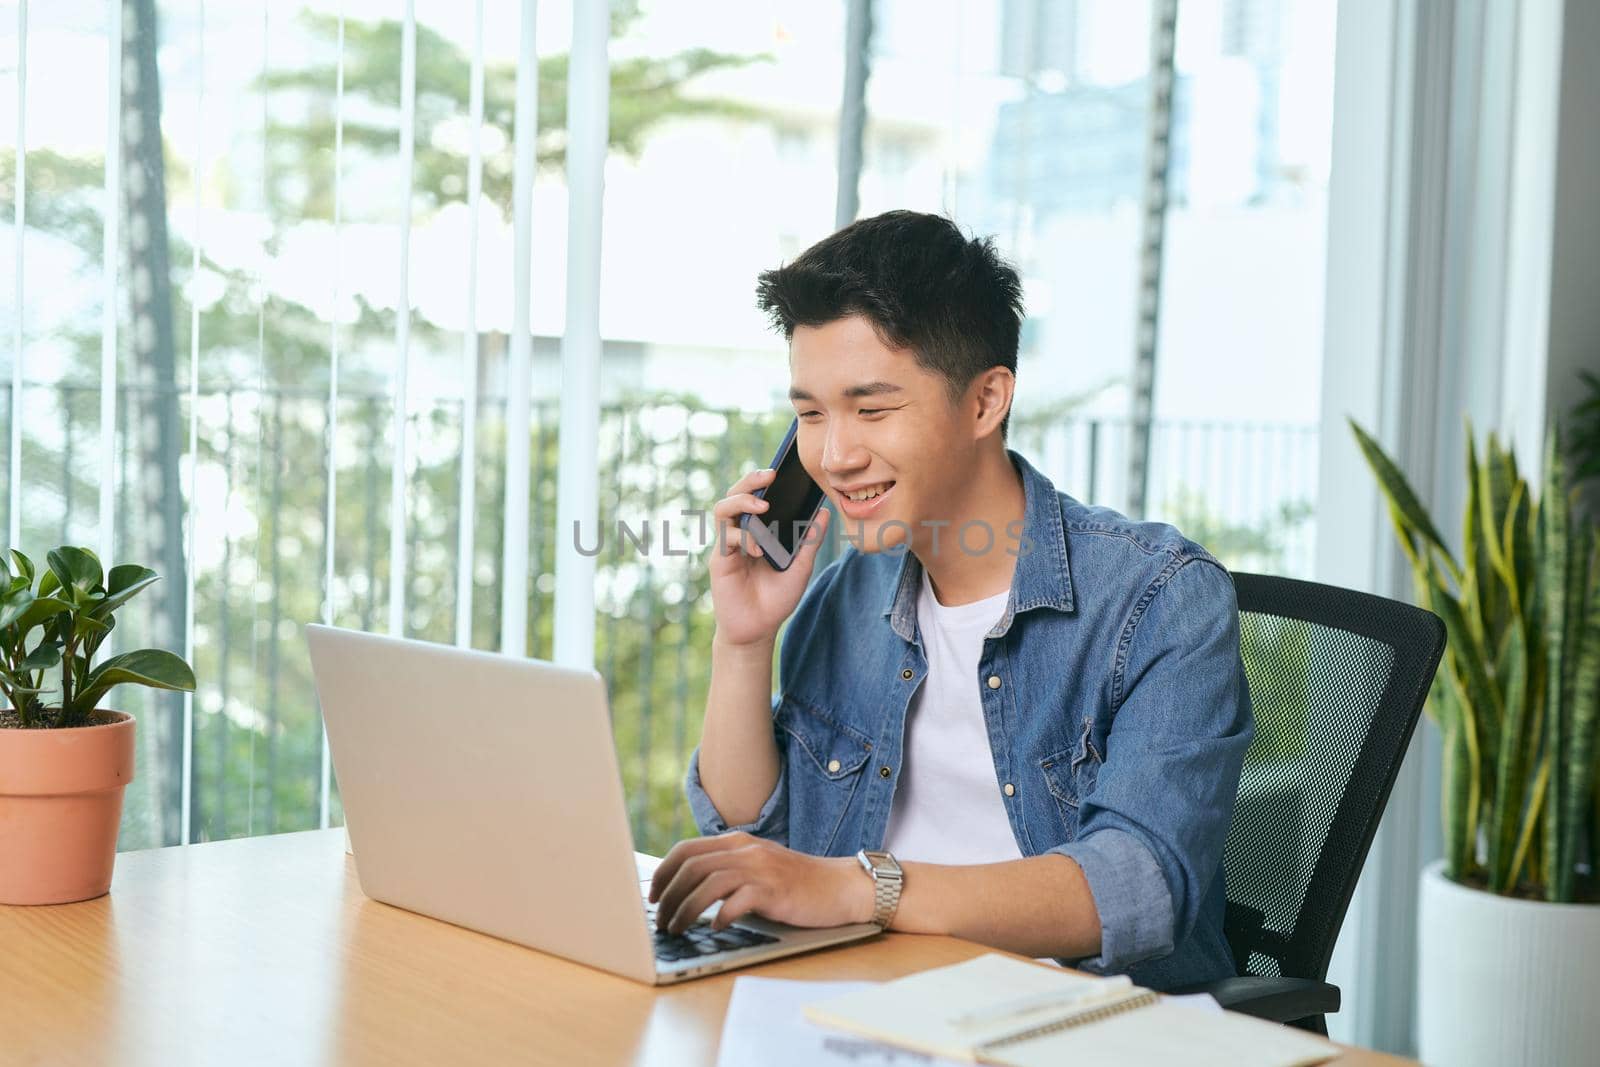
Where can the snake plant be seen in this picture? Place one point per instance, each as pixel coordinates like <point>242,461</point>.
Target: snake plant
<point>1517,695</point>
<point>54,629</point>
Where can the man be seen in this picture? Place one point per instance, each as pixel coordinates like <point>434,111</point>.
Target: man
<point>1035,706</point>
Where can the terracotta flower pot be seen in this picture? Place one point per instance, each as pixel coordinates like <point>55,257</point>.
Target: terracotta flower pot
<point>60,807</point>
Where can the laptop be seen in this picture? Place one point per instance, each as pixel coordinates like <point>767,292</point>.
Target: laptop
<point>483,790</point>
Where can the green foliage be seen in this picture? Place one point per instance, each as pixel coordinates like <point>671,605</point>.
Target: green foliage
<point>1253,546</point>
<point>1518,692</point>
<point>1583,442</point>
<point>264,364</point>
<point>61,624</point>
<point>1280,649</point>
<point>645,91</point>
<point>659,454</point>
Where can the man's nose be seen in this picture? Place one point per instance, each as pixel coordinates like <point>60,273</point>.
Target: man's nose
<point>842,452</point>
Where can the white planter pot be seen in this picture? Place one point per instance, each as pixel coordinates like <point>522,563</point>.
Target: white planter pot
<point>1503,981</point>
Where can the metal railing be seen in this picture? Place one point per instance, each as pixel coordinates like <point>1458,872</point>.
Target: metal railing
<point>261,533</point>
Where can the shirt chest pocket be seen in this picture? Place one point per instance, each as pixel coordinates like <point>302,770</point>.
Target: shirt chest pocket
<point>1070,776</point>
<point>825,761</point>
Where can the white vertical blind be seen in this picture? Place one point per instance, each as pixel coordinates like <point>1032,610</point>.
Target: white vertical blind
<point>109,267</point>
<point>577,501</point>
<point>187,766</point>
<point>402,325</point>
<point>325,769</point>
<point>256,601</point>
<point>1382,210</point>
<point>467,527</point>
<point>519,384</point>
<point>21,160</point>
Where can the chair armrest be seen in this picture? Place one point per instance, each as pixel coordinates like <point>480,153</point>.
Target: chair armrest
<point>1279,1000</point>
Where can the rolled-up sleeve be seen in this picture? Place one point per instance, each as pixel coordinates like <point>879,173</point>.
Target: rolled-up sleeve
<point>1130,894</point>
<point>1153,826</point>
<point>771,822</point>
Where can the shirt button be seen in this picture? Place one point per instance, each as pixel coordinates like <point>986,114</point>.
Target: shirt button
<point>994,681</point>
<point>1011,790</point>
<point>833,766</point>
<point>884,772</point>
<point>906,674</point>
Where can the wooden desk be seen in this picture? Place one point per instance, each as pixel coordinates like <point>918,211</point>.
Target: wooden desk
<point>265,950</point>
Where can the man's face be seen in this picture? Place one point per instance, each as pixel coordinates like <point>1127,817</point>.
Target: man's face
<point>877,432</point>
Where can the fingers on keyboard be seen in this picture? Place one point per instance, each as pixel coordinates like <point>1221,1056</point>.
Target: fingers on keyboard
<point>701,940</point>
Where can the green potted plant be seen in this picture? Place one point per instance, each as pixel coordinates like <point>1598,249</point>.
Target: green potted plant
<point>1509,930</point>
<point>65,759</point>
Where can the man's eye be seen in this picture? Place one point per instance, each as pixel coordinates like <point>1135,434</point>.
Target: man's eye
<point>871,412</point>
<point>809,414</point>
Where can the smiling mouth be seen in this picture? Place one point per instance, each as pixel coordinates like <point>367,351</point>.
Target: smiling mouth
<point>870,492</point>
<point>864,503</point>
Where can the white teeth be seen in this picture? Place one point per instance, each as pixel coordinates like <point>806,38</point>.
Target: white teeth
<point>868,494</point>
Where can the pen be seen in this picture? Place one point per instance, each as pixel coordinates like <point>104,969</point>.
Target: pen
<point>1011,1009</point>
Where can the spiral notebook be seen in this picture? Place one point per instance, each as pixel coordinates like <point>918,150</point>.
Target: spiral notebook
<point>999,1010</point>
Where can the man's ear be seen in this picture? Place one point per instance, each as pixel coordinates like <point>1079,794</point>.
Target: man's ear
<point>990,394</point>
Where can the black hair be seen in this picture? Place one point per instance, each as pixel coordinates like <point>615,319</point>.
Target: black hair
<point>955,303</point>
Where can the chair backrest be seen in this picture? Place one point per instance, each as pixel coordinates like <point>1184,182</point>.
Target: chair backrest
<point>1337,680</point>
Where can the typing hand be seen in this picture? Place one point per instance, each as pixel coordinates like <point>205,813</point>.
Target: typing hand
<point>750,874</point>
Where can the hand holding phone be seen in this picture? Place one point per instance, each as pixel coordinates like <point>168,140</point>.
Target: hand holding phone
<point>753,593</point>
<point>792,500</point>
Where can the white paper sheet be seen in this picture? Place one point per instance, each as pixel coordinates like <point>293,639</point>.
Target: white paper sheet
<point>766,1028</point>
<point>1202,1001</point>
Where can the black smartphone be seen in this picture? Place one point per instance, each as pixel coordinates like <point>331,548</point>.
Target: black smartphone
<point>793,498</point>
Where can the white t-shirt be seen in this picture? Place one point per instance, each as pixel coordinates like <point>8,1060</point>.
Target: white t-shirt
<point>948,807</point>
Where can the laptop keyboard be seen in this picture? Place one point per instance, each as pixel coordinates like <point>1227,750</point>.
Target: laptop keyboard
<point>701,940</point>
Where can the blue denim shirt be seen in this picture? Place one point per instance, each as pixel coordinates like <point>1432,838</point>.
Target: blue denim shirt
<point>1119,724</point>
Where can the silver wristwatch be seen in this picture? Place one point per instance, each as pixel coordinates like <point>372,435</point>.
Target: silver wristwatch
<point>887,878</point>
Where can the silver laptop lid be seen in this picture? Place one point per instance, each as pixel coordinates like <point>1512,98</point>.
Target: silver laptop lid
<point>483,790</point>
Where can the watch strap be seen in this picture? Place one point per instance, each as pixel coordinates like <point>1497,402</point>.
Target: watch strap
<point>887,881</point>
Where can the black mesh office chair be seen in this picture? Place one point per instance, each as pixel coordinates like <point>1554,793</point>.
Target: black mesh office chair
<point>1337,679</point>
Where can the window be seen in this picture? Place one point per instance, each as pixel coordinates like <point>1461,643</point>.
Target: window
<point>282,376</point>
<point>1031,120</point>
